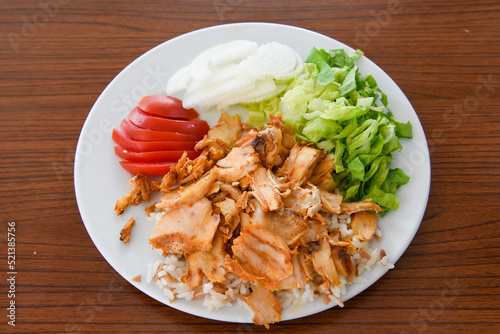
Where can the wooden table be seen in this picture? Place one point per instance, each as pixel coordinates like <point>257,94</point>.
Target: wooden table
<point>57,57</point>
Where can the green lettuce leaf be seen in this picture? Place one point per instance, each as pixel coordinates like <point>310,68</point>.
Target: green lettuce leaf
<point>345,113</point>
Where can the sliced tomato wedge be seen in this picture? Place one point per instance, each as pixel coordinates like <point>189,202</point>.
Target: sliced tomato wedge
<point>191,127</point>
<point>120,137</point>
<point>166,106</point>
<point>148,168</point>
<point>137,133</point>
<point>151,156</point>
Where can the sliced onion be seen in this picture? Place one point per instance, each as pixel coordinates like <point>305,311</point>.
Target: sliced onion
<point>234,51</point>
<point>262,87</point>
<point>208,96</point>
<point>272,59</point>
<point>179,81</point>
<point>200,67</point>
<point>299,66</point>
<point>219,74</point>
<point>236,72</point>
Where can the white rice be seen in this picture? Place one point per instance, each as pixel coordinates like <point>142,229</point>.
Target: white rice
<point>167,275</point>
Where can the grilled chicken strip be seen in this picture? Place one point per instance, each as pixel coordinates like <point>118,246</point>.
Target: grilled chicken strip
<point>364,224</point>
<point>260,255</point>
<point>206,263</point>
<point>231,218</point>
<point>189,194</point>
<point>237,164</point>
<point>300,164</point>
<point>302,271</point>
<point>305,202</point>
<point>290,227</point>
<point>267,143</point>
<point>140,191</point>
<point>221,138</point>
<point>127,230</point>
<point>353,207</point>
<point>330,202</point>
<point>265,305</point>
<point>186,171</point>
<point>323,170</point>
<point>343,262</point>
<point>266,189</point>
<point>186,229</point>
<point>323,263</point>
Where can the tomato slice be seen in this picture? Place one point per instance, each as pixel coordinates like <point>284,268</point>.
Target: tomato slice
<point>151,156</point>
<point>148,168</point>
<point>120,137</point>
<point>137,133</point>
<point>192,127</point>
<point>166,106</point>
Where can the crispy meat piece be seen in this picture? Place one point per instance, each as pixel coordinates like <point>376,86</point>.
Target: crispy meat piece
<point>267,143</point>
<point>186,229</point>
<point>231,190</point>
<point>293,229</point>
<point>330,203</point>
<point>315,230</point>
<point>303,201</point>
<point>206,263</point>
<point>288,141</point>
<point>260,255</point>
<point>189,194</point>
<point>364,224</point>
<point>140,191</point>
<point>328,183</point>
<point>231,218</point>
<point>186,171</point>
<point>266,189</point>
<point>242,201</point>
<point>237,164</point>
<point>323,170</point>
<point>126,230</point>
<point>323,263</point>
<point>353,207</point>
<point>302,271</point>
<point>265,305</point>
<point>215,149</point>
<point>227,130</point>
<point>300,163</point>
<point>244,182</point>
<point>213,189</point>
<point>247,138</point>
<point>290,227</point>
<point>221,138</point>
<point>343,262</point>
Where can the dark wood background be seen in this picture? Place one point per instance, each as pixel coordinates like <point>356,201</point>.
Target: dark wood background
<point>57,56</point>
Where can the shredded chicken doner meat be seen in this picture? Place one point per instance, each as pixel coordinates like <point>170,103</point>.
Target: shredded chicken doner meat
<point>256,205</point>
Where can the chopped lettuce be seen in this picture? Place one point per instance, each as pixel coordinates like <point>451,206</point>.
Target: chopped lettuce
<point>345,113</point>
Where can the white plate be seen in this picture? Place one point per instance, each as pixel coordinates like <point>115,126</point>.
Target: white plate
<point>100,181</point>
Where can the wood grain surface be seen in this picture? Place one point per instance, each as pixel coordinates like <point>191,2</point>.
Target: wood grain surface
<point>57,56</point>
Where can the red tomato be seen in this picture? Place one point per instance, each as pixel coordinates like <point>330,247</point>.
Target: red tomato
<point>152,156</point>
<point>121,138</point>
<point>166,106</point>
<point>192,127</point>
<point>148,168</point>
<point>137,133</point>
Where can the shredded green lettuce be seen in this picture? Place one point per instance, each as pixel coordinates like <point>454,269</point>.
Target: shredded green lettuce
<point>345,113</point>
